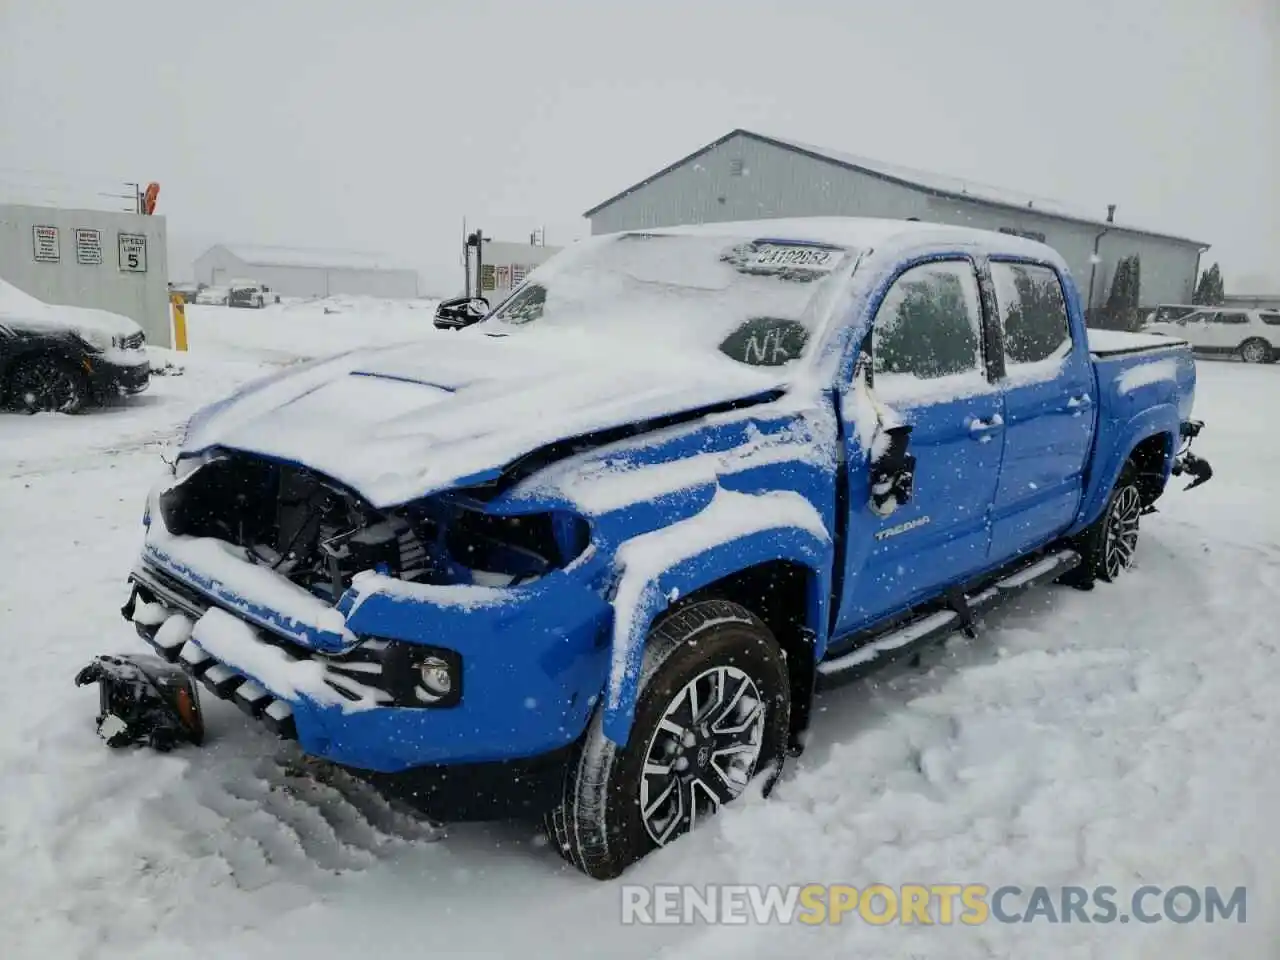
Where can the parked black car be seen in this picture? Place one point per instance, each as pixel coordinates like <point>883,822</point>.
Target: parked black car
<point>58,358</point>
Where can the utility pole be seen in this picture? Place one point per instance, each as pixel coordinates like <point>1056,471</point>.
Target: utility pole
<point>466,259</point>
<point>478,240</point>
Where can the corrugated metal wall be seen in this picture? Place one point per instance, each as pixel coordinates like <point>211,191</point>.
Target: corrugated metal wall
<point>74,279</point>
<point>217,265</point>
<point>747,179</point>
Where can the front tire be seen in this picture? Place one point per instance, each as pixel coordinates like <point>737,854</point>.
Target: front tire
<point>712,713</point>
<point>1255,351</point>
<point>1107,547</point>
<point>46,384</point>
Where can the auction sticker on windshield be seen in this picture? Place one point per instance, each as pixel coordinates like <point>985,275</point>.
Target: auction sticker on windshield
<point>773,255</point>
<point>800,261</point>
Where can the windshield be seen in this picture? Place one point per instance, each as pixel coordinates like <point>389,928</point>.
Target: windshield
<point>753,300</point>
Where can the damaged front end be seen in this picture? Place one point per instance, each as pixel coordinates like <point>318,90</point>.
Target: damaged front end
<point>319,536</point>
<point>438,632</point>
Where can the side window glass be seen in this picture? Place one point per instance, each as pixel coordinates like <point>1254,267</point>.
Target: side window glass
<point>525,307</point>
<point>929,324</point>
<point>1033,313</point>
<point>1232,318</point>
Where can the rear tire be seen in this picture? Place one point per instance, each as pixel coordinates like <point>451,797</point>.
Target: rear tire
<point>1108,545</point>
<point>1256,351</point>
<point>46,384</point>
<point>712,713</point>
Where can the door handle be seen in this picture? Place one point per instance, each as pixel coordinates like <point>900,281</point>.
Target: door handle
<point>1083,400</point>
<point>982,429</point>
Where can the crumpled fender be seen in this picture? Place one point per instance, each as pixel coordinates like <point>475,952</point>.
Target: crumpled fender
<point>689,575</point>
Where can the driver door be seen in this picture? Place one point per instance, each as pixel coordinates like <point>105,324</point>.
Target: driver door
<point>928,368</point>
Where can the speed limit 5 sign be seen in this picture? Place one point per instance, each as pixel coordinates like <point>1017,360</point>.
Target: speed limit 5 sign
<point>133,253</point>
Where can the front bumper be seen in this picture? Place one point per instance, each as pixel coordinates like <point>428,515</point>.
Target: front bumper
<point>530,676</point>
<point>111,379</point>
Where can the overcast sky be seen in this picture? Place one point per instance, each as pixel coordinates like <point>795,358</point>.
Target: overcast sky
<point>379,124</point>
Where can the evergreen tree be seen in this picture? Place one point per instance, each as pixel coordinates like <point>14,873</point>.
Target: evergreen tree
<point>1210,290</point>
<point>1217,291</point>
<point>1201,296</point>
<point>1118,299</point>
<point>1122,304</point>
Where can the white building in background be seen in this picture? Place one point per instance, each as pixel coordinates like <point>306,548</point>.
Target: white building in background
<point>504,266</point>
<point>105,259</point>
<point>296,272</point>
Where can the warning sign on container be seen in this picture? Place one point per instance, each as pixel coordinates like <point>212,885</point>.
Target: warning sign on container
<point>88,246</point>
<point>44,242</point>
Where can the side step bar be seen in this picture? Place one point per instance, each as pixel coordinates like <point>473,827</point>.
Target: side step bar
<point>902,640</point>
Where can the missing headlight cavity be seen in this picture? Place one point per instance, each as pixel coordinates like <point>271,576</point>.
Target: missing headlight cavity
<point>320,535</point>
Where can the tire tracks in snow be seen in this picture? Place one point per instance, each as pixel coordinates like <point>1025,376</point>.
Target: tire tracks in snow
<point>280,817</point>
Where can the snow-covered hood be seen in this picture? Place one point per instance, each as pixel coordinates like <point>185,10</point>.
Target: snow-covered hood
<point>398,423</point>
<point>26,311</point>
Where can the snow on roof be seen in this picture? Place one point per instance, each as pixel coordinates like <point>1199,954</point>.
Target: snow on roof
<point>939,184</point>
<point>265,256</point>
<point>862,233</point>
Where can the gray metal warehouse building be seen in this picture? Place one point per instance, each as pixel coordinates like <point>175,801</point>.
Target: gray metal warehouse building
<point>296,272</point>
<point>749,176</point>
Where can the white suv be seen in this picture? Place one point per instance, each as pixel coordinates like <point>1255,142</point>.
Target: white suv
<point>1252,334</point>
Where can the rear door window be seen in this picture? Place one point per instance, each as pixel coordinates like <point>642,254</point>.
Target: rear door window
<point>1033,313</point>
<point>1232,316</point>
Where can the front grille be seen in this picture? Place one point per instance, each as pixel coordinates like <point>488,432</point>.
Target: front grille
<point>359,670</point>
<point>135,341</point>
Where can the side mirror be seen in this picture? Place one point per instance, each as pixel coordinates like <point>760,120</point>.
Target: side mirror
<point>460,312</point>
<point>892,472</point>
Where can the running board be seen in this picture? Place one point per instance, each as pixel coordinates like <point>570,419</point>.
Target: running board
<point>880,649</point>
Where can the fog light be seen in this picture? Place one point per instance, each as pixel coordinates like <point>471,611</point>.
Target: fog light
<point>437,681</point>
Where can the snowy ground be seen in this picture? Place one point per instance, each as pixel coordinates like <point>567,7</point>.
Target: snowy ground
<point>1122,737</point>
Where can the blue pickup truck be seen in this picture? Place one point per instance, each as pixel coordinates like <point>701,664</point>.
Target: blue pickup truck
<point>588,559</point>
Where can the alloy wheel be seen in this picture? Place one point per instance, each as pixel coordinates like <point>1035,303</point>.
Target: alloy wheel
<point>1122,531</point>
<point>1253,352</point>
<point>703,753</point>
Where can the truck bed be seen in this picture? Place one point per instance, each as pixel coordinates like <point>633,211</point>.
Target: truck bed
<point>1113,343</point>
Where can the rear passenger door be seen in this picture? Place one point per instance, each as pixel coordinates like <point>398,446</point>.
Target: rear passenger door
<point>1049,404</point>
<point>1229,329</point>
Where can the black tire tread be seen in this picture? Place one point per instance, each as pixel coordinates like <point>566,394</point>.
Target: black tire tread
<point>1092,542</point>
<point>8,391</point>
<point>575,826</point>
